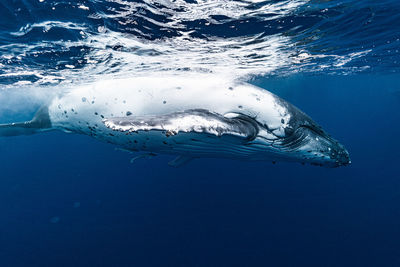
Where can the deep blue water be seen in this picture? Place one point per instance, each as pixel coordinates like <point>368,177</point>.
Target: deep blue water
<point>70,200</point>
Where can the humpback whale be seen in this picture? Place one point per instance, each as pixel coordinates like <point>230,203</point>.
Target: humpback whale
<point>190,117</point>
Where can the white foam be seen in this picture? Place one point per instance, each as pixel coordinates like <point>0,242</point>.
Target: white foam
<point>125,55</point>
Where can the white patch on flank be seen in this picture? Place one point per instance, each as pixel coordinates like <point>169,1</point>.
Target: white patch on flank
<point>83,7</point>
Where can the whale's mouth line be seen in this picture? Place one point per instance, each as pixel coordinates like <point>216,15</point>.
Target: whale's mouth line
<point>315,129</point>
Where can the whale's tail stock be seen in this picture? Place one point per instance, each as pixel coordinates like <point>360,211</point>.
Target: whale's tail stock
<point>40,122</point>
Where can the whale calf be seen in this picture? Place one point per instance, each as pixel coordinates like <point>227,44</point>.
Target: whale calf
<point>190,117</point>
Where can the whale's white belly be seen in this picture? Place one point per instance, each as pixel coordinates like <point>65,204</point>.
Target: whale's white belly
<point>83,110</point>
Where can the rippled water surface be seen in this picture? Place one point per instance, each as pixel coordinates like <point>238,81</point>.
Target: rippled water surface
<point>48,42</point>
<point>68,200</point>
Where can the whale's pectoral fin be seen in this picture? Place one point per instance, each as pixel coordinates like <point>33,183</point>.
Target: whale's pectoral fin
<point>179,161</point>
<point>190,121</point>
<point>143,156</point>
<point>40,122</point>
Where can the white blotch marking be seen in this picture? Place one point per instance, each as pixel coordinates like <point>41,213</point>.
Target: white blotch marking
<point>83,7</point>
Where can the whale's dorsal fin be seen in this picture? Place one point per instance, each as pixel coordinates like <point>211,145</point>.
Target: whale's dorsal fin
<point>40,122</point>
<point>190,121</point>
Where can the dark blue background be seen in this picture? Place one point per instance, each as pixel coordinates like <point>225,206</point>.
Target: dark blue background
<point>69,200</point>
<point>213,212</point>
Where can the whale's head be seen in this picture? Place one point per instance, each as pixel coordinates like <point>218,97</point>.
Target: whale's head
<point>297,138</point>
<point>305,141</point>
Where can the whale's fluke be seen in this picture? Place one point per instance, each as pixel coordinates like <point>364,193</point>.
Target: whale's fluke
<point>40,122</point>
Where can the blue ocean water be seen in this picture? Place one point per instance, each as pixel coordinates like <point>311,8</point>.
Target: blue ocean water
<point>70,200</point>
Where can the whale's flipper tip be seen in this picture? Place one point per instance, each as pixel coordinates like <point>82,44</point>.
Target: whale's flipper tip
<point>40,122</point>
<point>180,161</point>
